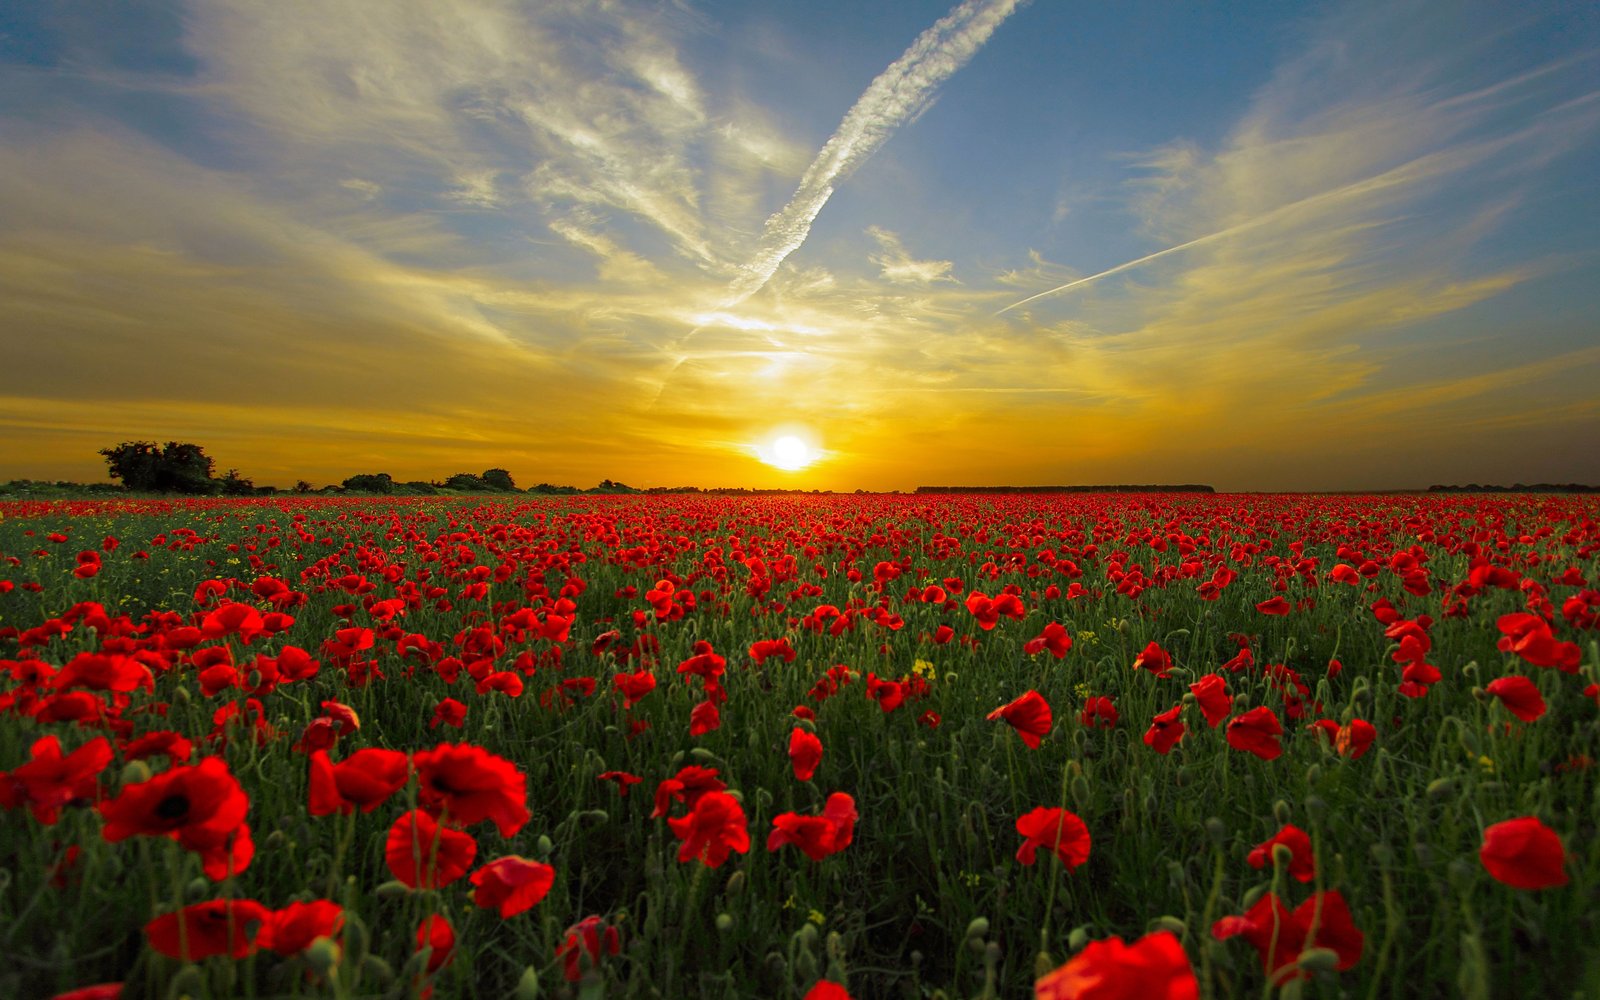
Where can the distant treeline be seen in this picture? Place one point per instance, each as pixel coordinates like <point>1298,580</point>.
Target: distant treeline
<point>1180,488</point>
<point>1517,488</point>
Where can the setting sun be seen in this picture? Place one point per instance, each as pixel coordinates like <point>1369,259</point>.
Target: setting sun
<point>789,452</point>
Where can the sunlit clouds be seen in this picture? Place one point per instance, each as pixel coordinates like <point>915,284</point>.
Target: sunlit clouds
<point>646,242</point>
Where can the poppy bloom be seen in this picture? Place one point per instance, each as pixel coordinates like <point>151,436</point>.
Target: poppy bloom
<point>1355,738</point>
<point>805,753</point>
<point>471,784</point>
<point>201,807</point>
<point>1057,830</point>
<point>511,884</point>
<point>1302,863</point>
<point>634,686</point>
<point>714,827</point>
<point>435,933</point>
<point>1279,936</point>
<point>1275,606</point>
<point>1155,967</point>
<point>888,694</point>
<point>424,854</point>
<point>826,989</point>
<point>50,780</point>
<point>291,930</point>
<point>704,718</point>
<point>1098,713</point>
<point>100,991</point>
<point>1211,693</point>
<point>1257,732</point>
<point>365,779</point>
<point>761,649</point>
<point>1054,638</point>
<point>216,927</point>
<point>1029,715</point>
<point>448,712</point>
<point>817,836</point>
<point>1154,659</point>
<point>1165,730</point>
<point>622,778</point>
<point>588,938</point>
<point>1524,854</point>
<point>687,786</point>
<point>1519,695</point>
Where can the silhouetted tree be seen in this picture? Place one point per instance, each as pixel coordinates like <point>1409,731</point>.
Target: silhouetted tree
<point>498,479</point>
<point>174,468</point>
<point>370,482</point>
<point>235,485</point>
<point>466,482</point>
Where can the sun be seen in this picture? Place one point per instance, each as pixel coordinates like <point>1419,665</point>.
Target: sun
<point>789,452</point>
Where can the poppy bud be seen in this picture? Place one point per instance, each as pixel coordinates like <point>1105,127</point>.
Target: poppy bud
<point>1241,701</point>
<point>1441,788</point>
<point>1280,812</point>
<point>1479,694</point>
<point>1469,741</point>
<point>274,840</point>
<point>544,845</point>
<point>1080,791</point>
<point>724,923</point>
<point>705,756</point>
<point>189,981</point>
<point>528,985</point>
<point>834,946</point>
<point>198,889</point>
<point>322,956</point>
<point>135,772</point>
<point>1282,854</point>
<point>1078,938</point>
<point>1318,960</point>
<point>1423,853</point>
<point>776,963</point>
<point>595,816</point>
<point>393,889</point>
<point>181,696</point>
<point>1383,854</point>
<point>735,885</point>
<point>1313,774</point>
<point>1217,830</point>
<point>978,928</point>
<point>383,971</point>
<point>1043,965</point>
<point>806,936</point>
<point>1168,923</point>
<point>1316,807</point>
<point>1470,671</point>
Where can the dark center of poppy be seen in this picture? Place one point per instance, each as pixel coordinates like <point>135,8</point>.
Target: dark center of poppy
<point>173,807</point>
<point>439,784</point>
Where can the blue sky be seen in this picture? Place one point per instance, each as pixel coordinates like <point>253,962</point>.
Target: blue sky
<point>1320,246</point>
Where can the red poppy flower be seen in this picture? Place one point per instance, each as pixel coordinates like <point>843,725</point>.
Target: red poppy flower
<point>805,753</point>
<point>100,991</point>
<point>588,939</point>
<point>1302,862</point>
<point>1154,967</point>
<point>291,930</point>
<point>365,779</point>
<point>714,827</point>
<point>201,807</point>
<point>50,780</point>
<point>1257,732</point>
<point>435,933</point>
<point>826,989</point>
<point>622,778</point>
<point>1165,730</point>
<point>1519,695</point>
<point>1275,606</point>
<point>1524,854</point>
<point>1279,936</point>
<point>448,712</point>
<point>1355,738</point>
<point>1054,638</point>
<point>1215,702</point>
<point>471,784</point>
<point>216,927</point>
<point>1154,659</point>
<point>422,853</point>
<point>1057,830</point>
<point>888,694</point>
<point>511,884</point>
<point>1029,715</point>
<point>761,649</point>
<point>1098,712</point>
<point>686,786</point>
<point>817,836</point>
<point>704,718</point>
<point>112,672</point>
<point>634,686</point>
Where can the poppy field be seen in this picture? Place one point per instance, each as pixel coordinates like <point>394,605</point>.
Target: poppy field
<point>1087,745</point>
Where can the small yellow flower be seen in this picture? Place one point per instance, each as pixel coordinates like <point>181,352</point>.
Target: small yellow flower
<point>816,917</point>
<point>1487,764</point>
<point>922,668</point>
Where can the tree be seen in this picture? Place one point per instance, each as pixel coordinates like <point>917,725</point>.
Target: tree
<point>235,485</point>
<point>301,486</point>
<point>466,482</point>
<point>175,468</point>
<point>498,479</point>
<point>379,482</point>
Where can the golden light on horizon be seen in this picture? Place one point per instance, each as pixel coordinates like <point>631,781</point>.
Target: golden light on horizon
<point>789,452</point>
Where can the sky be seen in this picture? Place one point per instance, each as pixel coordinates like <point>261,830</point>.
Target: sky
<point>1259,245</point>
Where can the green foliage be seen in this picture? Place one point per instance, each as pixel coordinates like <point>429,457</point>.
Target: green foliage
<point>466,482</point>
<point>173,468</point>
<point>379,482</point>
<point>498,479</point>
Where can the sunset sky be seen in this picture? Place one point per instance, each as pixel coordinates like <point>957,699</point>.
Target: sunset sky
<point>1257,245</point>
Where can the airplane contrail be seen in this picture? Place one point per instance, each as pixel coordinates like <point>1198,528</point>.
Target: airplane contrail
<point>896,96</point>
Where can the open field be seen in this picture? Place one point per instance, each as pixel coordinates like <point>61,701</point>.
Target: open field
<point>611,746</point>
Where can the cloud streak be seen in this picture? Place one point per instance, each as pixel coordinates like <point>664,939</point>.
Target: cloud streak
<point>896,96</point>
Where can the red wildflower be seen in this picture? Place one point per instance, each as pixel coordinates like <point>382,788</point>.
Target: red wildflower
<point>1029,715</point>
<point>422,853</point>
<point>511,884</point>
<point>888,694</point>
<point>634,686</point>
<point>1098,713</point>
<point>817,836</point>
<point>1274,606</point>
<point>1355,738</point>
<point>1279,936</point>
<point>291,930</point>
<point>704,718</point>
<point>588,938</point>
<point>714,827</point>
<point>763,648</point>
<point>1519,695</point>
<point>1524,854</point>
<point>1154,967</point>
<point>825,989</point>
<point>1054,638</point>
<point>365,779</point>
<point>1057,830</point>
<point>436,934</point>
<point>1215,702</point>
<point>1257,732</point>
<point>50,780</point>
<point>471,784</point>
<point>1154,659</point>
<point>1165,730</point>
<point>686,786</point>
<point>100,991</point>
<point>448,712</point>
<point>216,927</point>
<point>1302,863</point>
<point>622,778</point>
<point>805,753</point>
<point>201,807</point>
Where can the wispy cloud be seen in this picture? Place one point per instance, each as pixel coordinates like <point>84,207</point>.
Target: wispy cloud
<point>896,96</point>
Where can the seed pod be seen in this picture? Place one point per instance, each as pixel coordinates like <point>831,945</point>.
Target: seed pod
<point>135,771</point>
<point>1280,812</point>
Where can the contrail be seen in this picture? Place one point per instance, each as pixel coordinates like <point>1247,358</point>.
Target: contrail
<point>899,94</point>
<point>1132,263</point>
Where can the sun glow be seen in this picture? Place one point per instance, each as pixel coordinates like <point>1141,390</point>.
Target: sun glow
<point>790,452</point>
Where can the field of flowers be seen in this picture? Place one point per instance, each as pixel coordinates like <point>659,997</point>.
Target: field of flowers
<point>874,746</point>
